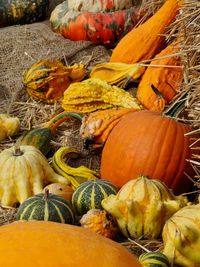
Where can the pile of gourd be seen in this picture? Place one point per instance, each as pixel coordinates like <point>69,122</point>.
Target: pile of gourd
<point>145,156</point>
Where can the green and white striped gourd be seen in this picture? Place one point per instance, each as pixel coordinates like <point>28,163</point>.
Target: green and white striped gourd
<point>46,207</point>
<point>89,195</point>
<point>154,259</point>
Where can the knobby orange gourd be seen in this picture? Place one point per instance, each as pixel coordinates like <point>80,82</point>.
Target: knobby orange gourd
<point>147,40</point>
<point>166,79</point>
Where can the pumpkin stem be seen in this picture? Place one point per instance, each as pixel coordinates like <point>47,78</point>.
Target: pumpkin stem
<point>158,93</point>
<point>17,151</point>
<point>176,107</point>
<point>60,118</point>
<point>46,194</point>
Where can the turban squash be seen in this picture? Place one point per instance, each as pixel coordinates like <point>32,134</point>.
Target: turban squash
<point>148,143</point>
<point>37,240</point>
<point>99,27</point>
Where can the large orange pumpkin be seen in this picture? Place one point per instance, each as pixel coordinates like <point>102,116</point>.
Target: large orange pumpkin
<point>147,143</point>
<point>50,244</point>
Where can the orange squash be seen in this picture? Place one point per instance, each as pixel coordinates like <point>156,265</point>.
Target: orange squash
<point>147,143</point>
<point>166,80</point>
<point>50,244</point>
<point>147,40</point>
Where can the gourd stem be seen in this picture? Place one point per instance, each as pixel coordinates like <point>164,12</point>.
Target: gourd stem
<point>60,118</point>
<point>176,108</point>
<point>46,194</point>
<point>17,150</point>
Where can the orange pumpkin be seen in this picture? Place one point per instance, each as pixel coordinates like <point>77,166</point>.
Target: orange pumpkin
<point>147,143</point>
<point>50,244</point>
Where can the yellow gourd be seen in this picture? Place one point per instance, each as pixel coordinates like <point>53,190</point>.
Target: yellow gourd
<point>8,126</point>
<point>24,172</point>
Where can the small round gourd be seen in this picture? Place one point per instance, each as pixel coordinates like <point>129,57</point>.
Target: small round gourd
<point>62,190</point>
<point>90,194</point>
<point>154,259</point>
<point>46,207</point>
<point>100,222</point>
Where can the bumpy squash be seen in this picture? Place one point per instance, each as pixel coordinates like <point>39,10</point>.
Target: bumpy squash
<point>22,11</point>
<point>9,126</point>
<point>47,80</point>
<point>90,194</point>
<point>145,142</point>
<point>76,176</point>
<point>94,94</point>
<point>115,73</point>
<point>53,244</point>
<point>154,259</point>
<point>96,126</point>
<point>102,5</point>
<point>181,237</point>
<point>24,171</point>
<point>101,27</point>
<point>100,222</point>
<point>41,137</point>
<point>145,41</point>
<point>167,80</point>
<point>46,207</point>
<point>142,206</point>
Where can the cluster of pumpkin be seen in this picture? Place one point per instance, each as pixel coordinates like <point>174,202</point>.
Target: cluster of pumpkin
<point>135,142</point>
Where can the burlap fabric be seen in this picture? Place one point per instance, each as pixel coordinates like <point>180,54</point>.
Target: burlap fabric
<point>22,46</point>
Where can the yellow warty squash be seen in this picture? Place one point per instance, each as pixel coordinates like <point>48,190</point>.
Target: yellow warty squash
<point>24,172</point>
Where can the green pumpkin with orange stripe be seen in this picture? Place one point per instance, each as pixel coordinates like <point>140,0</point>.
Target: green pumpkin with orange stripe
<point>46,207</point>
<point>89,195</point>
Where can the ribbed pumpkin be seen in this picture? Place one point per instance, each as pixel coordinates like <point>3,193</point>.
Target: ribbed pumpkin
<point>142,206</point>
<point>154,259</point>
<point>50,244</point>
<point>99,27</point>
<point>147,143</point>
<point>24,171</point>
<point>22,11</point>
<point>90,194</point>
<point>46,207</point>
<point>181,237</point>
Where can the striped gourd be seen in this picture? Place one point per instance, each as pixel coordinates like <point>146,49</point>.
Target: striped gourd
<point>46,207</point>
<point>154,259</point>
<point>90,194</point>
